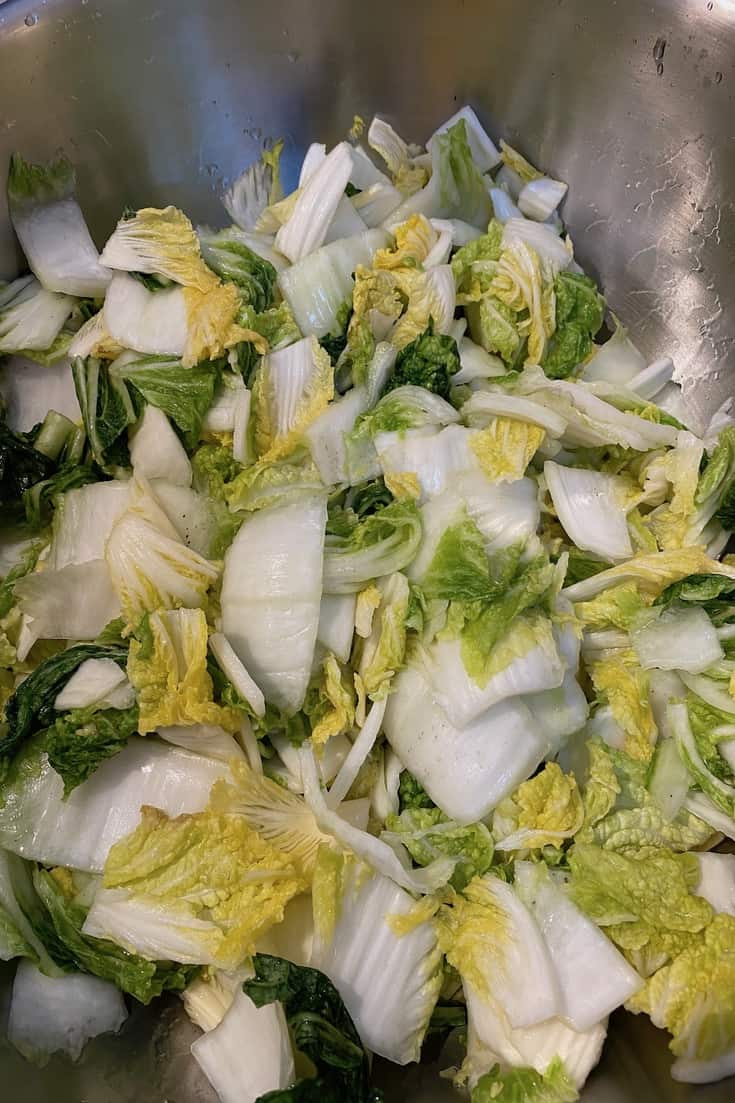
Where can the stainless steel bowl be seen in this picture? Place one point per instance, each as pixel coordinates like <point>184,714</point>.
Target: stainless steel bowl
<point>164,101</point>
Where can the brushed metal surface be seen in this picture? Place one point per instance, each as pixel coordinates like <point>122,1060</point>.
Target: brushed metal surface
<point>164,101</point>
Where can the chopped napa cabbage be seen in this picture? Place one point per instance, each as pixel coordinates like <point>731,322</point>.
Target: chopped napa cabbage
<point>293,386</point>
<point>257,187</point>
<point>692,998</point>
<point>417,586</point>
<point>306,228</point>
<point>39,823</point>
<point>505,448</point>
<point>483,406</point>
<point>337,624</point>
<point>476,363</point>
<point>377,203</point>
<point>207,739</point>
<point>328,436</point>
<point>431,301</point>
<point>272,483</point>
<point>321,1028</point>
<point>96,682</point>
<point>203,523</point>
<point>592,508</point>
<point>617,361</point>
<point>579,316</point>
<point>679,639</point>
<point>279,817</point>
<point>491,1041</point>
<point>428,361</point>
<point>434,457</point>
<point>553,1085</point>
<point>349,771</point>
<point>626,813</point>
<point>375,852</point>
<point>522,285</point>
<point>414,241</point>
<point>653,573</point>
<point>60,1014</point>
<point>177,321</point>
<point>717,882</point>
<point>625,688</point>
<point>710,772</point>
<point>184,394</point>
<point>676,523</point>
<point>75,602</point>
<point>94,339</point>
<point>538,199</point>
<point>391,147</point>
<point>470,262</point>
<point>543,811</point>
<point>271,592</point>
<point>456,188</point>
<point>20,915</point>
<point>51,228</point>
<point>248,1053</point>
<point>169,673</point>
<point>503,205</point>
<point>465,772</point>
<point>201,889</point>
<point>515,161</point>
<point>506,514</point>
<point>427,833</point>
<point>384,648</point>
<point>330,702</point>
<point>558,713</point>
<point>619,606</point>
<point>408,406</point>
<point>545,241</point>
<point>488,663</point>
<point>149,566</point>
<point>31,318</point>
<point>153,322</point>
<point>391,1014</point>
<point>235,672</point>
<point>155,450</point>
<point>316,287</point>
<point>107,410</point>
<point>490,937</point>
<point>160,241</point>
<point>644,900</point>
<point>592,421</point>
<point>482,148</point>
<point>593,976</point>
<point>220,416</point>
<point>380,544</point>
<point>237,257</point>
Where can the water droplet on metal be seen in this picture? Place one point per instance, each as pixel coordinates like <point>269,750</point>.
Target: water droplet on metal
<point>31,20</point>
<point>660,69</point>
<point>718,77</point>
<point>659,49</point>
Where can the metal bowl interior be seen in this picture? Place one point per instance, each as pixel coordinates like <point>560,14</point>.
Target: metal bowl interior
<point>630,103</point>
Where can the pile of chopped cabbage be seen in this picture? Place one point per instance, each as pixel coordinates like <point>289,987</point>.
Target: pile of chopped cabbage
<point>367,635</point>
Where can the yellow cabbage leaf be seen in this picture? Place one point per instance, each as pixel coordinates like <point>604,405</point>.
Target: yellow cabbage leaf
<point>206,885</point>
<point>625,688</point>
<point>506,447</point>
<point>171,677</point>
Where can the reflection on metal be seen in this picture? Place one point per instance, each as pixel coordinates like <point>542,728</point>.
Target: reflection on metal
<point>164,101</point>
